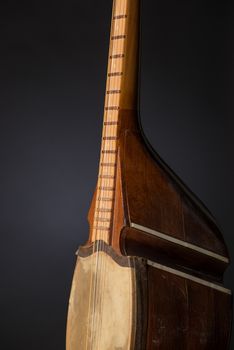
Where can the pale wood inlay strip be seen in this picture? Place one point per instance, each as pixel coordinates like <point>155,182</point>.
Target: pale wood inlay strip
<point>189,277</point>
<point>180,242</point>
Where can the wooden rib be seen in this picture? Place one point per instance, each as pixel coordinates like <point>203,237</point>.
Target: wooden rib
<point>188,276</point>
<point>180,242</point>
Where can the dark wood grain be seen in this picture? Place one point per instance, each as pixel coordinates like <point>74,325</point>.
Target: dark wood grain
<point>176,312</point>
<point>185,315</point>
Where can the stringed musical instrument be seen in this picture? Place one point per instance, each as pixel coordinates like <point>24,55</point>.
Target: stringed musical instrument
<point>151,273</point>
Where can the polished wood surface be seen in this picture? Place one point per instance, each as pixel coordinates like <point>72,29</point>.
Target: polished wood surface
<point>154,256</point>
<point>185,315</point>
<point>121,94</point>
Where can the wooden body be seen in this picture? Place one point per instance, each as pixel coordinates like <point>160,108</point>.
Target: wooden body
<point>151,273</point>
<point>186,256</point>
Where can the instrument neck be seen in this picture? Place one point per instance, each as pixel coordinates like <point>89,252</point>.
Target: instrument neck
<point>123,63</point>
<point>121,95</point>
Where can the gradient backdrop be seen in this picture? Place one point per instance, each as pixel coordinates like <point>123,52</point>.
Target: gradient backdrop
<point>53,57</point>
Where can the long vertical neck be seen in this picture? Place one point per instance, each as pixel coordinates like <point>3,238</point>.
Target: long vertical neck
<point>123,54</point>
<point>121,95</point>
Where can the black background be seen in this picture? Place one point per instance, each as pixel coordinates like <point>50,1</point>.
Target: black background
<point>53,66</point>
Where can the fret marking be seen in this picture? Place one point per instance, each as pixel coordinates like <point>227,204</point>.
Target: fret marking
<point>117,37</point>
<point>112,92</point>
<point>120,16</point>
<point>112,108</point>
<point>102,228</point>
<point>115,74</point>
<point>110,138</point>
<point>103,210</point>
<point>105,199</point>
<point>103,188</point>
<point>109,151</point>
<point>108,165</point>
<point>118,55</point>
<point>106,177</point>
<point>111,123</point>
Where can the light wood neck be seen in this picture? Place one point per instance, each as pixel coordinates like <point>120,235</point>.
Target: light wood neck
<point>121,95</point>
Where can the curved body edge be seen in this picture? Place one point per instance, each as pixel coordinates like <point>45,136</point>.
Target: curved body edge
<point>106,304</point>
<point>130,303</point>
<point>151,274</point>
<point>155,200</point>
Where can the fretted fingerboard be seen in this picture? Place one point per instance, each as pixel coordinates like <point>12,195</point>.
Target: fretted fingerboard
<point>104,205</point>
